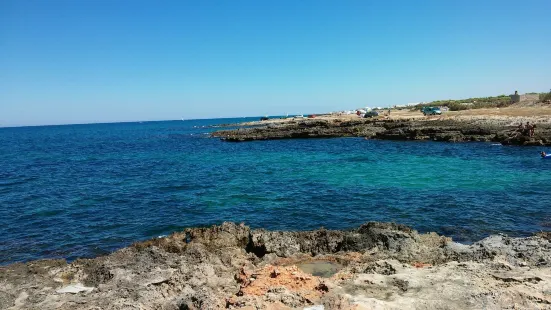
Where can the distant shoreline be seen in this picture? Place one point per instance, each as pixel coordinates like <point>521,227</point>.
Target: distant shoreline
<point>483,125</point>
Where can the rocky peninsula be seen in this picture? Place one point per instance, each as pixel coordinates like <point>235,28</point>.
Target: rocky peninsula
<point>231,266</point>
<point>485,126</point>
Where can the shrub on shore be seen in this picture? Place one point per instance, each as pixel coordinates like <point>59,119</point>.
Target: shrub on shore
<point>470,103</point>
<point>545,96</point>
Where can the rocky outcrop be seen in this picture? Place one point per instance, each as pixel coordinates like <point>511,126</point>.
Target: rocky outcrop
<point>380,265</point>
<point>302,129</point>
<point>448,130</point>
<point>439,130</point>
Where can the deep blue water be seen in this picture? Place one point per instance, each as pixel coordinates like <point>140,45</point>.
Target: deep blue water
<point>85,190</point>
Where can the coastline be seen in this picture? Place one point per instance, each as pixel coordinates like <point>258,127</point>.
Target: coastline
<point>487,125</point>
<point>377,265</point>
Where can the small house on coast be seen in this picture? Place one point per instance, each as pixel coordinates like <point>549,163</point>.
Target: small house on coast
<point>515,98</point>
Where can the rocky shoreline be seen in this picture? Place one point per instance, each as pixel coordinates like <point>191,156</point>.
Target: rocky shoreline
<point>230,266</point>
<point>435,129</point>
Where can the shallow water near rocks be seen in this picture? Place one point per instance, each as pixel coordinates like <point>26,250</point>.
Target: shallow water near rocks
<point>86,190</point>
<point>323,269</point>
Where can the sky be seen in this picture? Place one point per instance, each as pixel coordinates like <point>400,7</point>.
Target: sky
<point>88,61</point>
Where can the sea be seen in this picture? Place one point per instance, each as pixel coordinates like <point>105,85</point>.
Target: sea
<point>86,190</point>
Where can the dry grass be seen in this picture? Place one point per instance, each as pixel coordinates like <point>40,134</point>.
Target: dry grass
<point>535,112</point>
<point>510,111</point>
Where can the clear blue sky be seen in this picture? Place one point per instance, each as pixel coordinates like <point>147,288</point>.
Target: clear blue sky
<point>103,61</point>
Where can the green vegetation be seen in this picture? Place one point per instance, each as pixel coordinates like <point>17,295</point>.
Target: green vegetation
<point>545,96</point>
<point>470,103</point>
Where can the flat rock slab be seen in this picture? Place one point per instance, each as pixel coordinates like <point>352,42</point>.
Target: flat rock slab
<point>74,289</point>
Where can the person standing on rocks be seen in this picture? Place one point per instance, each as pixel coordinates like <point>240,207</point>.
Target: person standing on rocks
<point>527,129</point>
<point>520,128</point>
<point>518,131</point>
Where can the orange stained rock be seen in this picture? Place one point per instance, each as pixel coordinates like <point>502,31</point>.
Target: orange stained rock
<point>353,256</point>
<point>421,265</point>
<point>260,281</point>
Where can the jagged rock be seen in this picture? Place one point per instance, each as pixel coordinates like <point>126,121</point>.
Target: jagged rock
<point>382,265</point>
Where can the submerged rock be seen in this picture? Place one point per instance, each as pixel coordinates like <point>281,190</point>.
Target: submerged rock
<point>380,265</point>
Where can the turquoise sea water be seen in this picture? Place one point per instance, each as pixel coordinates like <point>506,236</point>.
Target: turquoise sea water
<point>85,190</point>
